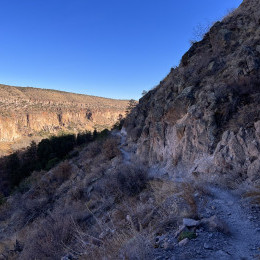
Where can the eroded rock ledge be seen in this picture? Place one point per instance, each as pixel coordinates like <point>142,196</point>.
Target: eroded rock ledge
<point>204,116</point>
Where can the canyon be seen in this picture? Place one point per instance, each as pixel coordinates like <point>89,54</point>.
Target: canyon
<point>179,180</point>
<point>31,114</point>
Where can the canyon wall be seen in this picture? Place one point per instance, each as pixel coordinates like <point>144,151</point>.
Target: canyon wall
<point>204,117</point>
<point>28,113</point>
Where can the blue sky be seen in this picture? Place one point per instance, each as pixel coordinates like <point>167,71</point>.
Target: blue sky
<point>111,48</point>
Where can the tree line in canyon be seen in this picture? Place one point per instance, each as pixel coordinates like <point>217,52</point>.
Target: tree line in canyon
<point>45,155</point>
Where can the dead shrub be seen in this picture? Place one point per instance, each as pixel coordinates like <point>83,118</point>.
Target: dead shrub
<point>51,238</point>
<point>138,247</point>
<point>188,195</point>
<point>237,103</point>
<point>110,148</point>
<point>131,179</point>
<point>94,149</point>
<point>62,172</point>
<point>108,186</point>
<point>104,242</point>
<point>163,190</point>
<point>253,195</point>
<point>77,192</point>
<point>26,211</point>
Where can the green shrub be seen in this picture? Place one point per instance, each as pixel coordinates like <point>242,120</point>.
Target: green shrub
<point>187,234</point>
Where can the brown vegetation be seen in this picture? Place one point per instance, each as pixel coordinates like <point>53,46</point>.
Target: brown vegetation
<point>92,207</point>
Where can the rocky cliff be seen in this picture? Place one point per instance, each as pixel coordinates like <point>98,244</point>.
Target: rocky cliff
<point>32,112</point>
<point>204,117</point>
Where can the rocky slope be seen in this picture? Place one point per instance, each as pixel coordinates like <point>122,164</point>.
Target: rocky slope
<point>36,112</point>
<point>204,116</point>
<point>171,184</point>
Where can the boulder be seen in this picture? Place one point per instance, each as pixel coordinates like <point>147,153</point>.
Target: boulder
<point>188,222</point>
<point>184,242</point>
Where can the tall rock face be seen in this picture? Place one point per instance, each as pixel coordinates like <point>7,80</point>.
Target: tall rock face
<point>204,117</point>
<point>30,112</point>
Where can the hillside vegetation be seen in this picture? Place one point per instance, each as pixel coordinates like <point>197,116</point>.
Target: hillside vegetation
<point>180,180</point>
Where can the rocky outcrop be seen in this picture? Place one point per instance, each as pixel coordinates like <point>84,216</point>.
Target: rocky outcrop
<point>204,116</point>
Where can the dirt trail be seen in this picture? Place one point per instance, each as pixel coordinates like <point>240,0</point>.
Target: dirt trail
<point>125,154</point>
<point>244,240</point>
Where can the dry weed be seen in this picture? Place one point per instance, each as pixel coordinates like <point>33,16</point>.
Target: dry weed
<point>50,239</point>
<point>110,148</point>
<point>253,195</point>
<point>62,172</point>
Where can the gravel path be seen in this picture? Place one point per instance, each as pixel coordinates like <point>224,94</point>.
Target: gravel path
<point>244,240</point>
<point>126,155</point>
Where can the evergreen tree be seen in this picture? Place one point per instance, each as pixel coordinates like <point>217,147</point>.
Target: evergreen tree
<point>131,105</point>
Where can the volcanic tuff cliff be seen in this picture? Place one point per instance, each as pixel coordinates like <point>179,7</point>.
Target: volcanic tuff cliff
<point>31,111</point>
<point>204,117</point>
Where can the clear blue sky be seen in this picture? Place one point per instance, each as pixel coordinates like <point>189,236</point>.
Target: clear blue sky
<point>111,48</point>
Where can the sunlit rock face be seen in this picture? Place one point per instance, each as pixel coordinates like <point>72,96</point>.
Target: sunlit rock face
<point>28,112</point>
<point>204,116</point>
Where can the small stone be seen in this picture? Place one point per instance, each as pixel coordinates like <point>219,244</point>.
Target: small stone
<point>168,246</point>
<point>67,257</point>
<point>230,203</point>
<point>188,222</point>
<point>183,242</point>
<point>198,252</point>
<point>207,246</point>
<point>221,253</point>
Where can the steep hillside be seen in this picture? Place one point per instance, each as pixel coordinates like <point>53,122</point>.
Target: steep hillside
<point>179,181</point>
<point>204,116</point>
<point>27,112</point>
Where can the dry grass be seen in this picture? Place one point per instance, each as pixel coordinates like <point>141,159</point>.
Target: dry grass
<point>110,148</point>
<point>131,179</point>
<point>254,195</point>
<point>163,190</point>
<point>50,239</point>
<point>93,149</point>
<point>108,240</point>
<point>129,230</point>
<point>62,172</point>
<point>188,194</point>
<point>108,211</point>
<point>32,96</point>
